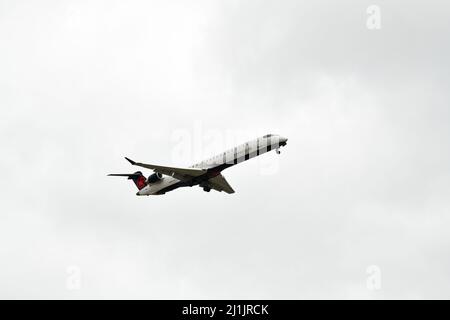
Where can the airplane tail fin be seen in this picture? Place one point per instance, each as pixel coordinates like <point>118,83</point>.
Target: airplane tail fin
<point>137,177</point>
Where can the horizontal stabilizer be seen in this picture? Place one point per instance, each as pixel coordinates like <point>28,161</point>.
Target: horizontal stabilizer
<point>137,177</point>
<point>129,175</point>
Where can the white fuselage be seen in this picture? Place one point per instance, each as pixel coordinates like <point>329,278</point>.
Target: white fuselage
<point>222,161</point>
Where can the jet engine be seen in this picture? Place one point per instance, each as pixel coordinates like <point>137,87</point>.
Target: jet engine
<point>154,177</point>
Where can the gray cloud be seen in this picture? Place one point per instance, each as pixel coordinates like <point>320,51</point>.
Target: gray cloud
<point>364,180</point>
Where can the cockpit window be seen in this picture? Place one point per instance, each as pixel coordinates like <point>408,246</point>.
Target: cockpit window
<point>268,135</point>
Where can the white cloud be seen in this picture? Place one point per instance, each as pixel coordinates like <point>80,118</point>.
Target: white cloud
<point>363,181</point>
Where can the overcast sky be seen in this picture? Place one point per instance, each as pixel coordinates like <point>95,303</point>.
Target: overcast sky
<point>356,206</point>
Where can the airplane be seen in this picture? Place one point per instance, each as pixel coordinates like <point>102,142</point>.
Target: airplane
<point>206,174</point>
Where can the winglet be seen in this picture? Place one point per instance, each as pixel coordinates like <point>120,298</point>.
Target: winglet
<point>130,161</point>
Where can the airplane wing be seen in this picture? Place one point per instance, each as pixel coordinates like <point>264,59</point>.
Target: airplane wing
<point>219,183</point>
<point>177,173</point>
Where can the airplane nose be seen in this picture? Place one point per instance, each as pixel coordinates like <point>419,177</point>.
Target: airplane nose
<point>283,141</point>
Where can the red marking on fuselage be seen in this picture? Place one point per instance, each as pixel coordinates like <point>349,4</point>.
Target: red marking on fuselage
<point>140,182</point>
